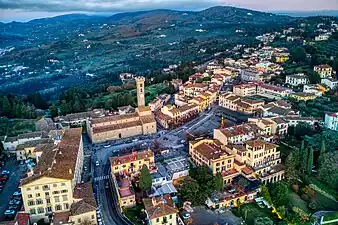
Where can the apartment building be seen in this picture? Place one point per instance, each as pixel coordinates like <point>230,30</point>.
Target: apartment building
<point>49,188</point>
<point>194,89</point>
<point>331,83</point>
<point>131,164</point>
<point>243,90</point>
<point>324,70</point>
<point>160,210</point>
<point>331,121</point>
<point>237,103</point>
<point>296,80</point>
<point>271,125</point>
<point>250,74</point>
<point>125,192</point>
<point>303,96</point>
<point>272,91</point>
<point>210,152</point>
<point>237,134</point>
<point>10,143</point>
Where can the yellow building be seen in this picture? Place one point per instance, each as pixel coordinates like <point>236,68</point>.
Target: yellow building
<point>84,207</point>
<point>193,90</point>
<point>243,90</point>
<point>210,152</point>
<point>107,128</point>
<point>132,163</point>
<point>160,210</point>
<point>237,103</point>
<point>202,103</point>
<point>281,57</point>
<point>323,70</point>
<point>49,187</point>
<point>303,96</point>
<point>125,192</point>
<point>29,149</point>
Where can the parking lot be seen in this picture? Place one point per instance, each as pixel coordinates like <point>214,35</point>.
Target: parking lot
<point>9,186</point>
<point>204,216</point>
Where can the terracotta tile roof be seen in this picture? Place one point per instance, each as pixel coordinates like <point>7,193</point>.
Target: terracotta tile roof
<point>162,116</point>
<point>159,206</point>
<point>237,130</point>
<point>323,66</point>
<point>211,150</point>
<point>113,118</point>
<point>34,143</point>
<point>229,172</point>
<point>81,207</point>
<point>256,143</point>
<point>269,146</point>
<point>116,126</point>
<point>303,94</point>
<point>143,108</point>
<point>147,119</point>
<point>247,171</point>
<point>279,120</point>
<point>30,135</point>
<point>125,188</point>
<point>85,192</point>
<point>59,161</point>
<point>61,217</point>
<point>135,156</point>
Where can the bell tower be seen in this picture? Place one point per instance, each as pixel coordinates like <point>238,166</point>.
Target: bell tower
<point>140,91</point>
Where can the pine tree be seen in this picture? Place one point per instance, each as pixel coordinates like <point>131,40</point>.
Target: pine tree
<point>322,149</point>
<point>218,182</point>
<point>304,160</point>
<point>53,111</point>
<point>310,162</point>
<point>6,106</point>
<point>145,179</point>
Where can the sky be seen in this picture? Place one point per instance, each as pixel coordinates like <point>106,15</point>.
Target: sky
<point>24,10</point>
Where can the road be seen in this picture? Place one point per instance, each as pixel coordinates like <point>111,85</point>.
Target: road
<point>11,185</point>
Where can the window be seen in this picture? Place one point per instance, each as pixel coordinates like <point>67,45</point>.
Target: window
<point>40,210</point>
<point>37,195</point>
<point>28,189</point>
<point>64,198</point>
<point>30,196</point>
<point>171,216</point>
<point>66,206</point>
<point>157,220</point>
<point>45,187</point>
<point>63,184</point>
<point>124,166</point>
<point>37,188</point>
<point>55,185</point>
<point>48,209</point>
<point>31,202</point>
<point>58,207</point>
<point>56,192</point>
<point>32,211</point>
<point>57,198</point>
<point>93,217</point>
<point>39,201</point>
<point>79,220</point>
<point>48,201</point>
<point>229,161</point>
<point>64,191</point>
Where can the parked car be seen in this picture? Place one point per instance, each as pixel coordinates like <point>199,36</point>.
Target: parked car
<point>5,172</point>
<point>3,177</point>
<point>13,207</point>
<point>17,193</point>
<point>10,213</point>
<point>14,202</point>
<point>186,216</point>
<point>97,163</point>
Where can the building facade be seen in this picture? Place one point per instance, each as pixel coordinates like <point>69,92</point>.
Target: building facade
<point>331,121</point>
<point>296,80</point>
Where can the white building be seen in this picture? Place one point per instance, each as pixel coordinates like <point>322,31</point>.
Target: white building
<point>332,84</point>
<point>250,75</point>
<point>297,79</point>
<point>331,121</point>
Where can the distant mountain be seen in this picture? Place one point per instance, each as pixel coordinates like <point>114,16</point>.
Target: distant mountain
<point>308,13</point>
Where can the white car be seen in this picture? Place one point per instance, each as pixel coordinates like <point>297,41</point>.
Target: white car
<point>186,216</point>
<point>17,193</point>
<point>97,163</point>
<point>5,172</point>
<point>107,146</point>
<point>10,212</point>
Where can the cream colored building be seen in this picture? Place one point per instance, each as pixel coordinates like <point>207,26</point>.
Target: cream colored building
<point>160,210</point>
<point>107,128</point>
<point>324,70</point>
<point>49,188</point>
<point>131,164</point>
<point>243,90</point>
<point>237,103</point>
<point>255,158</point>
<point>192,90</point>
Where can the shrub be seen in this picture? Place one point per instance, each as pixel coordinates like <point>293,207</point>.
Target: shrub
<point>312,206</point>
<point>295,188</point>
<point>303,215</point>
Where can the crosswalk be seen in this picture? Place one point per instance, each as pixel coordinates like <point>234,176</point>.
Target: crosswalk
<point>106,177</point>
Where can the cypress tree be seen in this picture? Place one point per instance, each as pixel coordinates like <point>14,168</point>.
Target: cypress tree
<point>310,162</point>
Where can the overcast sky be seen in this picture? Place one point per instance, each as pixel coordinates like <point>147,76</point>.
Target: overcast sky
<point>23,10</point>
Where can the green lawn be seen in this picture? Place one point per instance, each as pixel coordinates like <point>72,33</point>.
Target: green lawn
<point>331,216</point>
<point>296,201</point>
<point>251,211</point>
<point>134,214</point>
<point>13,127</point>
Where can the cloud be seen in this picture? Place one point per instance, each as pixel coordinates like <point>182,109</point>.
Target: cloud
<point>133,5</point>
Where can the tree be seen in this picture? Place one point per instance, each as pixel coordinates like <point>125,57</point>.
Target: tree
<point>265,194</point>
<point>322,150</point>
<point>2,149</point>
<point>302,129</point>
<point>291,164</point>
<point>279,193</point>
<point>298,54</point>
<point>310,162</point>
<point>53,111</point>
<point>190,191</point>
<point>218,182</point>
<point>6,106</point>
<point>328,169</point>
<point>314,77</point>
<point>145,178</point>
<point>263,221</point>
<point>37,100</point>
<point>304,160</point>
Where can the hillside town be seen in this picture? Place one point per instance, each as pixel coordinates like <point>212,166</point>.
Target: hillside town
<point>230,145</point>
